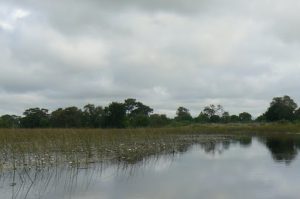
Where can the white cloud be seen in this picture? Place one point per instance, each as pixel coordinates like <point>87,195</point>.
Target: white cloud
<point>19,14</point>
<point>6,26</point>
<point>10,17</point>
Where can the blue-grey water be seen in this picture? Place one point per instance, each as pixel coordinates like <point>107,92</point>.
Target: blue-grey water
<point>258,169</point>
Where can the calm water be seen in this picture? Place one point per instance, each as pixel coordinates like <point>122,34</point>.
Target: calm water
<point>253,168</point>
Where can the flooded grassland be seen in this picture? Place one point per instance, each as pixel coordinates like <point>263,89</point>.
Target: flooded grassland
<point>89,163</point>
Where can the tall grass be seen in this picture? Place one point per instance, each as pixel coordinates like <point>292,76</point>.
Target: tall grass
<point>79,147</point>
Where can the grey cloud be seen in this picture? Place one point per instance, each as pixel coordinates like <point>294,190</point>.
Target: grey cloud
<point>165,53</point>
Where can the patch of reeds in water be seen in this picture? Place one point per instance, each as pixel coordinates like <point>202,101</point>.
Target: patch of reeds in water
<point>49,147</point>
<point>28,148</point>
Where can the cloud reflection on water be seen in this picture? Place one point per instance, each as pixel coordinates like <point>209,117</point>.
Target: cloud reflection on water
<point>241,168</point>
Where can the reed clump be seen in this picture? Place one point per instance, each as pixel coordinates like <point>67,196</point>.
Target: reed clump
<point>38,148</point>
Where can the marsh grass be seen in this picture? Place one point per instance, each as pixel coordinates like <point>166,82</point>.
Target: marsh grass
<point>33,161</point>
<point>38,148</point>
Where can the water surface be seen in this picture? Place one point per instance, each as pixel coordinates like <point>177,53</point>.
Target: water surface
<point>244,168</point>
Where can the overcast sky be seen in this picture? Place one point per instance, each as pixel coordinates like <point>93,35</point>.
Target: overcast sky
<point>165,53</point>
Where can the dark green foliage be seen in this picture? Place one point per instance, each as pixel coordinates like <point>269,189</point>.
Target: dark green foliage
<point>57,118</point>
<point>281,108</point>
<point>212,110</point>
<point>35,118</point>
<point>183,114</point>
<point>225,117</point>
<point>157,120</point>
<point>234,118</point>
<point>136,108</point>
<point>261,118</point>
<point>245,117</point>
<point>115,115</point>
<point>93,117</point>
<point>297,114</point>
<point>137,114</point>
<point>70,117</point>
<point>213,114</point>
<point>139,120</point>
<point>9,121</point>
<point>215,119</point>
<point>133,113</point>
<point>73,117</point>
<point>202,118</point>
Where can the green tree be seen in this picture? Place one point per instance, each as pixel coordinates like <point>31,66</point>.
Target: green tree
<point>158,120</point>
<point>183,114</point>
<point>281,108</point>
<point>9,121</point>
<point>139,120</point>
<point>136,108</point>
<point>35,118</point>
<point>214,113</point>
<point>213,110</point>
<point>114,115</point>
<point>245,117</point>
<point>215,119</point>
<point>93,116</point>
<point>70,117</point>
<point>234,118</point>
<point>261,118</point>
<point>202,118</point>
<point>225,117</point>
<point>137,113</point>
<point>297,115</point>
<point>73,117</point>
<point>57,118</point>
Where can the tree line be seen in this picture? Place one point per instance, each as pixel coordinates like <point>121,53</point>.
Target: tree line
<point>132,113</point>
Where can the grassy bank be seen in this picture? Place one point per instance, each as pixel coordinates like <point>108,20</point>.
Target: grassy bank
<point>247,128</point>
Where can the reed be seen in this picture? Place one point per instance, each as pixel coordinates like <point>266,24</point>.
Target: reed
<point>80,147</point>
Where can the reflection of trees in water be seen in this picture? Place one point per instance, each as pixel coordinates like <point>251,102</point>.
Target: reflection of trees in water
<point>219,146</point>
<point>283,148</point>
<point>245,141</point>
<point>31,181</point>
<point>38,180</point>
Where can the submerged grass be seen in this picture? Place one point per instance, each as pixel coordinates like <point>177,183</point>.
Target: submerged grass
<point>27,148</point>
